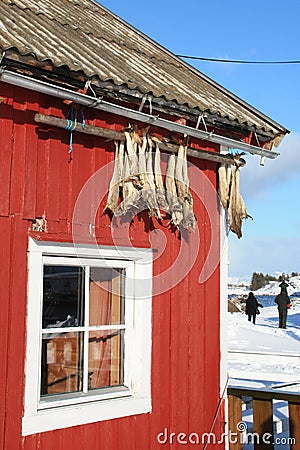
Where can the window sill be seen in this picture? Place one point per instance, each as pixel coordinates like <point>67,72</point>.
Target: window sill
<point>83,413</point>
<point>75,399</point>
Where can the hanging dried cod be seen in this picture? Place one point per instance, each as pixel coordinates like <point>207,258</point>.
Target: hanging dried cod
<point>160,190</point>
<point>178,194</point>
<point>237,209</point>
<point>114,187</point>
<point>229,193</point>
<point>143,188</point>
<point>224,183</point>
<point>174,207</point>
<point>132,142</point>
<point>148,196</point>
<point>152,201</point>
<point>131,181</point>
<point>183,183</point>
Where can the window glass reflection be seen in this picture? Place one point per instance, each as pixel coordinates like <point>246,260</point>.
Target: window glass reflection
<point>105,358</point>
<point>61,363</point>
<point>106,296</point>
<point>63,296</point>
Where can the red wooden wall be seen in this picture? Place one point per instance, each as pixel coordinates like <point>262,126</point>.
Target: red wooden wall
<point>37,178</point>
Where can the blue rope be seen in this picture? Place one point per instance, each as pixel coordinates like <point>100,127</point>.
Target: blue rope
<point>71,143</point>
<point>69,126</point>
<point>83,119</point>
<point>71,135</point>
<point>72,124</point>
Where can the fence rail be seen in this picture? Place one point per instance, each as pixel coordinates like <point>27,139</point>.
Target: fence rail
<point>263,426</point>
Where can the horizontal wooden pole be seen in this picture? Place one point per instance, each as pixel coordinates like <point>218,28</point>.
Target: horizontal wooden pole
<point>118,135</point>
<point>264,394</point>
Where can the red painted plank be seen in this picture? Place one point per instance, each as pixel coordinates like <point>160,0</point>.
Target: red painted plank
<point>5,255</point>
<point>55,189</point>
<point>42,174</point>
<point>16,334</point>
<point>91,435</point>
<point>32,442</point>
<point>179,357</point>
<point>47,440</point>
<point>82,170</point>
<point>143,436</point>
<point>161,367</point>
<point>6,133</point>
<point>72,438</point>
<point>65,175</point>
<point>108,434</point>
<point>17,187</point>
<point>31,159</point>
<point>56,437</point>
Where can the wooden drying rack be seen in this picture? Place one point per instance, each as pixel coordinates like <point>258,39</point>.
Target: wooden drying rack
<point>119,136</point>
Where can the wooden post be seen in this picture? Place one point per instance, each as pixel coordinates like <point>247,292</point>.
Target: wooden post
<point>263,436</point>
<point>294,421</point>
<point>234,417</point>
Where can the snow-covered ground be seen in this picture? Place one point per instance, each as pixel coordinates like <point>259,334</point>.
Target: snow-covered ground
<point>264,353</point>
<point>261,354</point>
<point>265,356</point>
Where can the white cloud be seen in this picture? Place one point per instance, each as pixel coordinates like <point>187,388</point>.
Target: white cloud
<point>256,179</point>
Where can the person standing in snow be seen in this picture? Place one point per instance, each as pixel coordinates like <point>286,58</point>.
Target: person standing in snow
<point>252,307</point>
<point>283,303</point>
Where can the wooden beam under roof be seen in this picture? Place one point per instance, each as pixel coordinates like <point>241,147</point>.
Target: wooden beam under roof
<point>119,136</point>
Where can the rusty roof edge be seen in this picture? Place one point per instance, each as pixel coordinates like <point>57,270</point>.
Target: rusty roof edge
<point>281,128</point>
<point>12,53</point>
<point>159,103</point>
<point>98,103</point>
<point>270,122</point>
<point>187,110</point>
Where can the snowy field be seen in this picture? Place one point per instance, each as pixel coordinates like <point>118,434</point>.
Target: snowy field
<point>265,356</point>
<point>263,353</point>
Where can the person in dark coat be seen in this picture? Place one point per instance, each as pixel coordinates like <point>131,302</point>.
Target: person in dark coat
<point>252,307</point>
<point>283,284</point>
<point>283,303</point>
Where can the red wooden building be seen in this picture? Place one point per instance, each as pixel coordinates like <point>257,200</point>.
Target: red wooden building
<point>111,320</point>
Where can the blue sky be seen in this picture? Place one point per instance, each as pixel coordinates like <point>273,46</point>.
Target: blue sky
<point>236,29</point>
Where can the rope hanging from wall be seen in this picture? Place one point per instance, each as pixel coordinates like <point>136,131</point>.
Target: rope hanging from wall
<point>137,182</point>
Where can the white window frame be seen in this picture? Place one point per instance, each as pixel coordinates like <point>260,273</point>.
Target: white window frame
<point>135,398</point>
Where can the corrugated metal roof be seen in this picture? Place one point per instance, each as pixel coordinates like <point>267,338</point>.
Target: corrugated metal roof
<point>83,35</point>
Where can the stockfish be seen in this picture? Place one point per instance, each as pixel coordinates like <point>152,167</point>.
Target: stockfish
<point>237,209</point>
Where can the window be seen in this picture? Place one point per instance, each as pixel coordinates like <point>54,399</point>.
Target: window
<point>82,329</point>
<point>88,335</point>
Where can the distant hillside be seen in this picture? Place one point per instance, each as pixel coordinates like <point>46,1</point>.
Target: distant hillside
<point>273,287</point>
<point>238,287</point>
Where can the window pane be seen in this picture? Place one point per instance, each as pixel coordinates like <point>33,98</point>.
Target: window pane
<point>63,296</point>
<point>106,296</point>
<point>61,363</point>
<point>105,358</point>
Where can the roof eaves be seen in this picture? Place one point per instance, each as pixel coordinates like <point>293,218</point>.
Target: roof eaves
<point>45,69</point>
